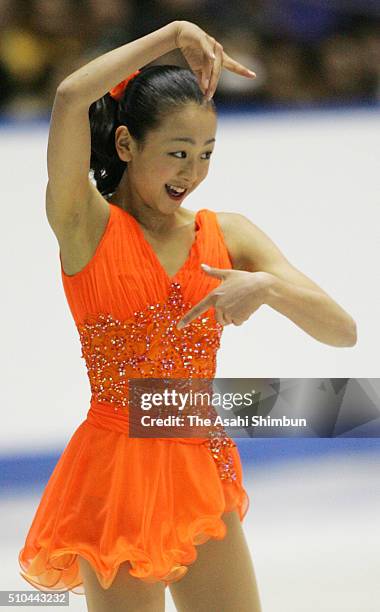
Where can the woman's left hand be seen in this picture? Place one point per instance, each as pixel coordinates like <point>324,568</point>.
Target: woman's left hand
<point>206,56</point>
<point>235,299</point>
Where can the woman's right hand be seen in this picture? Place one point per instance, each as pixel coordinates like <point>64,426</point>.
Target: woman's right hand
<point>205,56</point>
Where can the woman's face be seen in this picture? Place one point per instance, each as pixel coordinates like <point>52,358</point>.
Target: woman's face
<point>176,154</point>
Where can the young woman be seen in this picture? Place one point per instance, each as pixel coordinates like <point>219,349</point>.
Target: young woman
<point>123,517</point>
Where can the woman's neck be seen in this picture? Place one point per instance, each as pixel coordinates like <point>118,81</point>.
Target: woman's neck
<point>151,219</point>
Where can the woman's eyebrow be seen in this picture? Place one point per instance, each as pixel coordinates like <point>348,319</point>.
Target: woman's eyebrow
<point>191,140</point>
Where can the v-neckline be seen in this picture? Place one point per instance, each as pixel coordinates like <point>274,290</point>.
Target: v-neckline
<point>152,252</point>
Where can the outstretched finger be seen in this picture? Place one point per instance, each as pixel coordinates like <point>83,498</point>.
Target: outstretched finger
<point>234,66</point>
<point>197,310</point>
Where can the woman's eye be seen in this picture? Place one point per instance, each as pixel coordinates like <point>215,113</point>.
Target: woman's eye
<point>178,154</point>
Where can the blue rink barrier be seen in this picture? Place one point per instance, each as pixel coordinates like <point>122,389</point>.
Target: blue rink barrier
<point>238,110</point>
<point>33,471</point>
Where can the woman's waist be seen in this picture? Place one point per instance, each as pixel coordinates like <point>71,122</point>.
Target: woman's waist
<point>185,425</point>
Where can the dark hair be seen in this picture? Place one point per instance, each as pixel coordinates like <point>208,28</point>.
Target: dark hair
<point>155,92</point>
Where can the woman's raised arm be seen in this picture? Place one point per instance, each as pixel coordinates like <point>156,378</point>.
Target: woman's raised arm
<point>69,191</point>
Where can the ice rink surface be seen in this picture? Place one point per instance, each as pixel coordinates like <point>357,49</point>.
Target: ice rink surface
<point>310,181</point>
<point>312,528</point>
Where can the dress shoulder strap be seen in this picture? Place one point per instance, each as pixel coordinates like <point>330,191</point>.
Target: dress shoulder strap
<point>213,241</point>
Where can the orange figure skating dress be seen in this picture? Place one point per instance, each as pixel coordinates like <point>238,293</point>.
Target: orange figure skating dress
<point>112,497</point>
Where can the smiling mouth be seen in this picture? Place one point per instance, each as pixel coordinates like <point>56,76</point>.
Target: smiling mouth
<point>175,192</point>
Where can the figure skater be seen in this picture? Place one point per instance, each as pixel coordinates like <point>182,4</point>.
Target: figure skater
<point>122,517</point>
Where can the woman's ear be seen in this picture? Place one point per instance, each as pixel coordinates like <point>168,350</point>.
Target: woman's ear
<point>124,143</point>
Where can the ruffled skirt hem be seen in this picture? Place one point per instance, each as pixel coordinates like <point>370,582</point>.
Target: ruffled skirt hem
<point>112,499</point>
<point>59,570</point>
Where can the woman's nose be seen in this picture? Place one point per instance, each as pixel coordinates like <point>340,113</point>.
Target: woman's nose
<point>189,173</point>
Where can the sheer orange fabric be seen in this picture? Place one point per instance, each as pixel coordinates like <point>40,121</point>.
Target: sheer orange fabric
<point>111,497</point>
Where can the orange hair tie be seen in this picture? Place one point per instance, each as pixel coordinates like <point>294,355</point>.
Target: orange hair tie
<point>117,92</point>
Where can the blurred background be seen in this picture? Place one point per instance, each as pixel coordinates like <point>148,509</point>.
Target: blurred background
<point>304,51</point>
<point>307,173</point>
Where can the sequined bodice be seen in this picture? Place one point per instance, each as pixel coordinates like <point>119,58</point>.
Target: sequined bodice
<point>148,344</point>
<point>126,308</point>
